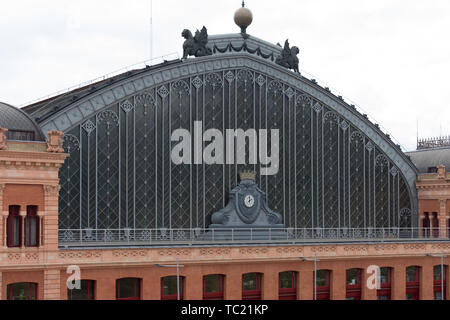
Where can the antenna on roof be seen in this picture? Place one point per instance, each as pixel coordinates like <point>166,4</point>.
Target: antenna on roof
<point>151,29</point>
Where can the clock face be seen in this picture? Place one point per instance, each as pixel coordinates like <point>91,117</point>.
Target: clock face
<point>249,201</point>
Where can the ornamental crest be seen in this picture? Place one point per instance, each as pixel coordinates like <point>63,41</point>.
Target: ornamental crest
<point>3,139</point>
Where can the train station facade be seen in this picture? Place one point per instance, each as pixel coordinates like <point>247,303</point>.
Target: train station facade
<point>88,184</point>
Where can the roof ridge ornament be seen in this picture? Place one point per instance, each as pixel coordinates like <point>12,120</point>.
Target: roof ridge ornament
<point>288,57</point>
<point>243,17</point>
<point>3,139</point>
<point>196,45</point>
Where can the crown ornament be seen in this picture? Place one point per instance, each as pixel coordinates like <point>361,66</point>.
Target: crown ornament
<point>247,175</point>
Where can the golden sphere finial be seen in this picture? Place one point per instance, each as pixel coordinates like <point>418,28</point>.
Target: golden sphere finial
<point>243,18</point>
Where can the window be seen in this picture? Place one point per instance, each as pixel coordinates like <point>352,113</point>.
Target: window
<point>440,283</point>
<point>432,170</point>
<point>251,286</point>
<point>32,233</point>
<point>288,286</point>
<point>354,284</point>
<point>448,228</point>
<point>87,291</point>
<point>22,291</point>
<point>169,288</point>
<point>128,289</point>
<point>412,283</point>
<point>213,287</point>
<point>14,232</point>
<point>426,225</point>
<point>20,135</point>
<point>323,284</point>
<point>384,291</point>
<point>435,223</point>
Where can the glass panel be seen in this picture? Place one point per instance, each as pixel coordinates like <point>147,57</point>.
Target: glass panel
<point>411,296</point>
<point>213,284</point>
<point>31,228</point>
<point>353,277</point>
<point>85,293</point>
<point>287,280</point>
<point>412,274</point>
<point>330,174</point>
<point>16,231</point>
<point>170,286</point>
<point>22,291</point>
<point>323,278</point>
<point>385,275</point>
<point>128,288</point>
<point>251,282</point>
<point>438,273</point>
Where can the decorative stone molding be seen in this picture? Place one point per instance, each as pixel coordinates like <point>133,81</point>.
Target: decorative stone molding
<point>414,246</point>
<point>3,139</point>
<point>127,253</point>
<point>215,252</point>
<point>253,251</point>
<point>55,141</point>
<point>52,191</point>
<point>174,252</point>
<point>80,255</point>
<point>386,247</point>
<point>324,249</point>
<point>441,246</point>
<point>291,250</point>
<point>442,174</point>
<point>355,248</point>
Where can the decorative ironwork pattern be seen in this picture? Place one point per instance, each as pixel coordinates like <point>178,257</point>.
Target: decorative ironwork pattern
<point>120,176</point>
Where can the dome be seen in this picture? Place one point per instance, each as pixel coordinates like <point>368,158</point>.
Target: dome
<point>19,124</point>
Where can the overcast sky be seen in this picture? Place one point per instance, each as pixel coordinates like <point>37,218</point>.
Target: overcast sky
<point>390,57</point>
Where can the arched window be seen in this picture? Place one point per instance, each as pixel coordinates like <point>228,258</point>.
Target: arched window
<point>170,290</point>
<point>213,287</point>
<point>14,232</point>
<point>384,291</point>
<point>413,283</point>
<point>435,223</point>
<point>86,292</point>
<point>128,289</point>
<point>251,286</point>
<point>32,229</point>
<point>354,284</point>
<point>22,291</point>
<point>288,286</point>
<point>440,283</point>
<point>426,225</point>
<point>322,285</point>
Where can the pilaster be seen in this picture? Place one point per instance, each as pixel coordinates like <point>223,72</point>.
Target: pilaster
<point>270,285</point>
<point>233,287</point>
<point>427,282</point>
<point>305,286</point>
<point>52,284</point>
<point>338,283</point>
<point>399,283</point>
<point>50,219</point>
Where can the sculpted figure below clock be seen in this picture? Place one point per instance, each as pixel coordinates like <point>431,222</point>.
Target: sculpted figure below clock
<point>247,208</point>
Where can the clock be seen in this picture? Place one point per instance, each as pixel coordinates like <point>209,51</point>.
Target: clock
<point>249,201</point>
